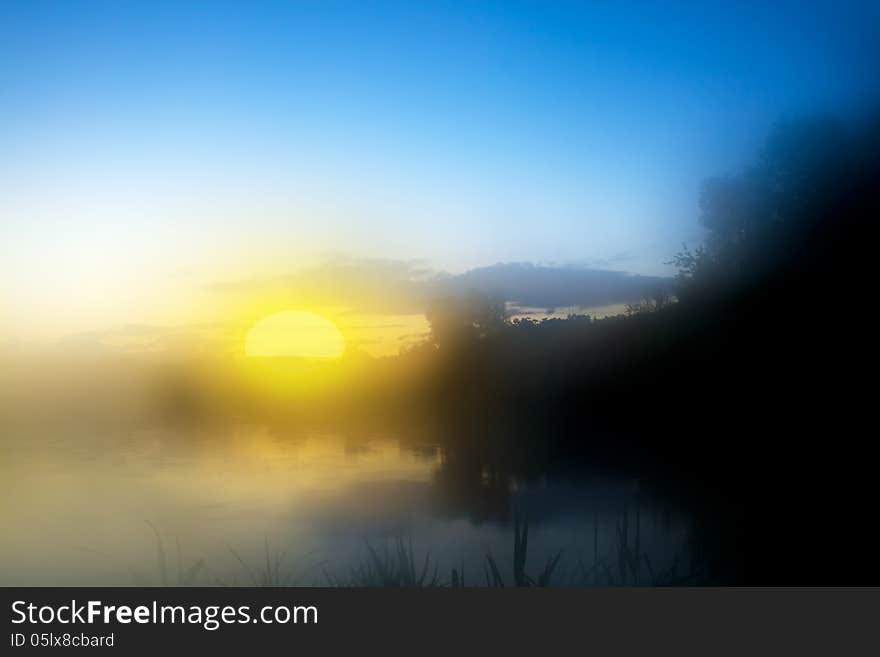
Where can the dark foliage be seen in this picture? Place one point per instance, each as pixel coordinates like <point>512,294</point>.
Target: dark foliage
<point>745,398</point>
<point>743,394</point>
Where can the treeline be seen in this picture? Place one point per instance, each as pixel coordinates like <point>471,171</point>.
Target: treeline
<point>752,387</point>
<point>762,309</point>
<point>767,314</point>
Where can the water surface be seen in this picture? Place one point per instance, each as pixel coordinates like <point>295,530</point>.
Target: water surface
<point>145,506</point>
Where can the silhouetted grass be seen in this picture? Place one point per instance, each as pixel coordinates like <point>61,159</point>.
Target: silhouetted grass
<point>184,575</point>
<point>626,564</point>
<point>520,553</point>
<point>396,565</point>
<point>275,569</point>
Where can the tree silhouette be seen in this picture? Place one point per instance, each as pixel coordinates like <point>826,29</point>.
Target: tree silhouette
<point>458,321</point>
<point>758,220</point>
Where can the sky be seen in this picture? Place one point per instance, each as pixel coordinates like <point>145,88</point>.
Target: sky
<point>154,151</point>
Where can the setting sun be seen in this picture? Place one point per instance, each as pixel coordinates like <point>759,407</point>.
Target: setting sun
<point>430,294</point>
<point>295,333</point>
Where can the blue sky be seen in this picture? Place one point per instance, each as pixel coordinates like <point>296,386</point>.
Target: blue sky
<point>206,136</point>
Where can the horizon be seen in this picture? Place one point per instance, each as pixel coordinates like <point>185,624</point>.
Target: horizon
<point>333,293</point>
<point>154,161</point>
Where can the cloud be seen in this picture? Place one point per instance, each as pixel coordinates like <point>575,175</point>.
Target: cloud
<point>384,301</point>
<point>370,286</point>
<point>534,286</point>
<point>407,287</point>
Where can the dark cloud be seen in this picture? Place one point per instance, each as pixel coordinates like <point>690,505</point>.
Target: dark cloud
<point>534,286</point>
<point>391,287</point>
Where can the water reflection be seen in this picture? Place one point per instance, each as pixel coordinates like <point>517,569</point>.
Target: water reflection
<point>82,509</point>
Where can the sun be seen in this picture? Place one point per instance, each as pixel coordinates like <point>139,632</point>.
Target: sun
<point>294,334</point>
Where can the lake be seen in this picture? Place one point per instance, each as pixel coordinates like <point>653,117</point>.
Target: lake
<point>245,504</point>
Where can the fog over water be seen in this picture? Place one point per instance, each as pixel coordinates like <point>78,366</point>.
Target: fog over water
<point>87,508</point>
<point>542,293</point>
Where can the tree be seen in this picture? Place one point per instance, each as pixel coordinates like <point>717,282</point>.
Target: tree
<point>755,219</point>
<point>656,300</point>
<point>461,320</point>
